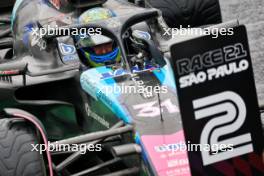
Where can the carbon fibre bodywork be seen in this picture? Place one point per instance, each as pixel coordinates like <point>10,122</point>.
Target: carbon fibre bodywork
<point>71,99</point>
<point>155,126</point>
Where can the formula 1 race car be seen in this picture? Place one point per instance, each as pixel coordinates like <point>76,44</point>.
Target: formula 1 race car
<point>51,96</point>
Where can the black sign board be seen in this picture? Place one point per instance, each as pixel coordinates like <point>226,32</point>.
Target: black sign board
<point>218,104</point>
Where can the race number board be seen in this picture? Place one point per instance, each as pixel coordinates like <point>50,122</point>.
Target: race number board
<point>218,104</point>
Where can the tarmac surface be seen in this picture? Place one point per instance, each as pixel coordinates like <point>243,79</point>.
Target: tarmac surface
<point>250,13</point>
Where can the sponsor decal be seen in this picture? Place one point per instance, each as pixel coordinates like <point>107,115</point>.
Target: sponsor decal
<point>168,162</point>
<point>67,49</point>
<point>218,104</point>
<point>69,58</point>
<point>96,117</point>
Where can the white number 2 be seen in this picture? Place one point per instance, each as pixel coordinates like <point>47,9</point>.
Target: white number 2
<point>228,113</point>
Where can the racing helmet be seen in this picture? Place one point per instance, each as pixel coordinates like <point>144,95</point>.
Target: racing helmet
<point>97,49</point>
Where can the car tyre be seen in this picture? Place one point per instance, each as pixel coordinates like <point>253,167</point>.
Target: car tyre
<point>16,155</point>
